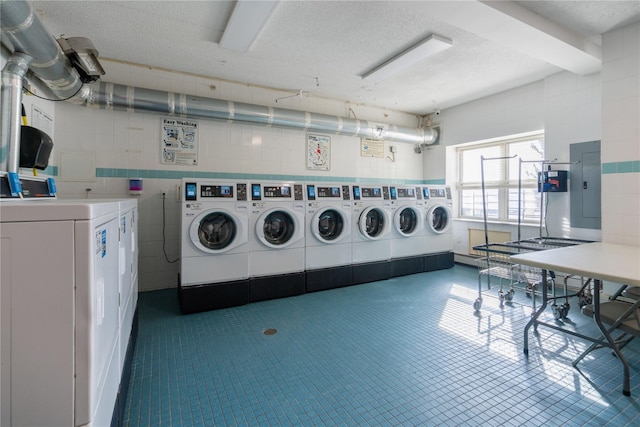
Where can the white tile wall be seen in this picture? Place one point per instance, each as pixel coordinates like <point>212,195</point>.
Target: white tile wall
<point>621,134</point>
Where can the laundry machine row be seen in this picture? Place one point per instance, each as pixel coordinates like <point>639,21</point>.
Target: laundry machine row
<point>248,241</point>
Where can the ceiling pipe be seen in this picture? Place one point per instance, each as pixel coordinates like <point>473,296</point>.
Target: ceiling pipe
<point>24,32</point>
<point>111,96</point>
<point>11,106</point>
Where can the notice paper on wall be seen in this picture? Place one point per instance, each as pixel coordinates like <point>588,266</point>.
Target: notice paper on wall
<point>370,147</point>
<point>178,141</point>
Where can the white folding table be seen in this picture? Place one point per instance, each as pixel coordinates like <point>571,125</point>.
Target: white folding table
<point>600,261</point>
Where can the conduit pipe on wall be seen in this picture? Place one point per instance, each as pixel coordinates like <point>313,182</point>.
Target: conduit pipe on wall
<point>10,104</point>
<point>26,34</point>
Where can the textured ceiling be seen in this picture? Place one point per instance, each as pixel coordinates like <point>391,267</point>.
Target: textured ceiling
<point>323,47</point>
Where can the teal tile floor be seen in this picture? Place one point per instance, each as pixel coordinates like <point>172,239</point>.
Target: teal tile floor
<point>408,351</point>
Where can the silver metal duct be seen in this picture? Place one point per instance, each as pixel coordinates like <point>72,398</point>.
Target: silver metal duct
<point>22,31</point>
<point>10,104</point>
<point>26,34</point>
<point>110,96</point>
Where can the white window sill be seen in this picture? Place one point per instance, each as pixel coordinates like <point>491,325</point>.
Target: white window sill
<point>495,221</point>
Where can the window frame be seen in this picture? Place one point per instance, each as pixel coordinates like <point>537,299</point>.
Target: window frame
<point>503,184</point>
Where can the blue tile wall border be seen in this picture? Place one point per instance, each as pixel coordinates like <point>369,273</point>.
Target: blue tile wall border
<point>632,166</point>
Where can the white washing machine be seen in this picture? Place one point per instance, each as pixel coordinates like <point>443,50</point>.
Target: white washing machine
<point>276,240</point>
<point>438,224</point>
<point>408,233</point>
<point>214,256</point>
<point>328,236</point>
<point>371,248</point>
<point>59,299</point>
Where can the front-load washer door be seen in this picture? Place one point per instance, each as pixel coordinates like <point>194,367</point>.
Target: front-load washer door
<point>439,219</point>
<point>407,220</point>
<point>279,228</point>
<point>218,231</point>
<point>373,223</point>
<point>330,225</point>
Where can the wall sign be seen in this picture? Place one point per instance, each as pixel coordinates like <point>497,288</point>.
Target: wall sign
<point>178,141</point>
<point>370,147</point>
<point>318,152</point>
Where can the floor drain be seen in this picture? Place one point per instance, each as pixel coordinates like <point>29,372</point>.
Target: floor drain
<point>269,331</point>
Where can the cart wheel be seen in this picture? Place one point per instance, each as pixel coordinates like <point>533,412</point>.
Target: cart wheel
<point>584,299</point>
<point>565,308</point>
<point>501,296</point>
<point>562,311</point>
<point>509,295</point>
<point>557,311</point>
<point>477,304</point>
<point>528,290</point>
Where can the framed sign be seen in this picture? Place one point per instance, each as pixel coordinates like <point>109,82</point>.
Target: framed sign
<point>318,152</point>
<point>179,141</point>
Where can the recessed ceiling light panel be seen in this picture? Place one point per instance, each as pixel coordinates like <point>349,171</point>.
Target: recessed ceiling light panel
<point>422,50</point>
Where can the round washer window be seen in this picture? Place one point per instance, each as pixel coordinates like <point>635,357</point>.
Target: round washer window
<point>216,230</point>
<point>408,221</point>
<point>440,218</point>
<point>330,224</point>
<point>374,223</point>
<point>278,228</point>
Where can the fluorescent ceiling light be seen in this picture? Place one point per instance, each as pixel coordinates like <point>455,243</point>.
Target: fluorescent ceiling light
<point>246,22</point>
<point>422,50</point>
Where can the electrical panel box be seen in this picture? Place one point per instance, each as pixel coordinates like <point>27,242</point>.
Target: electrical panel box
<point>552,181</point>
<point>585,185</point>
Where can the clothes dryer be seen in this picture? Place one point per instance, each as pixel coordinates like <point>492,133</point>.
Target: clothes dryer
<point>371,248</point>
<point>276,240</point>
<point>328,236</point>
<point>214,257</point>
<point>408,233</point>
<point>60,263</point>
<point>438,223</point>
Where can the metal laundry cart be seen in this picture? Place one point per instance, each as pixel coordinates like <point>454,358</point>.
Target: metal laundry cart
<point>496,261</point>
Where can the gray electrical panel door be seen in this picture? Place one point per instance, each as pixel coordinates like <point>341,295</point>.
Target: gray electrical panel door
<point>585,187</point>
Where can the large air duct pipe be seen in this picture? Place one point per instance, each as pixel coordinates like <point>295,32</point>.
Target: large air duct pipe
<point>112,96</point>
<point>22,31</point>
<point>26,34</point>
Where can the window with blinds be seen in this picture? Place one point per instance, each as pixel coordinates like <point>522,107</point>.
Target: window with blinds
<point>501,179</point>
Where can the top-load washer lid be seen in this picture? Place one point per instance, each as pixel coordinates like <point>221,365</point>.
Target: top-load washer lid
<point>407,220</point>
<point>330,225</point>
<point>373,223</point>
<point>439,219</point>
<point>217,231</point>
<point>279,228</point>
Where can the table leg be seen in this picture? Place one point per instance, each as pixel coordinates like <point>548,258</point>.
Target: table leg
<point>534,316</point>
<point>626,389</point>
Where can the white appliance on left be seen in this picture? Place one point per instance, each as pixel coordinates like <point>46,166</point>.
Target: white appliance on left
<point>214,260</point>
<point>59,311</point>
